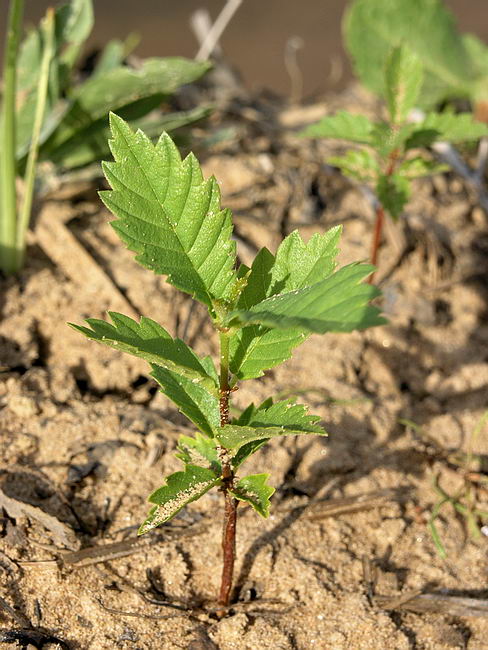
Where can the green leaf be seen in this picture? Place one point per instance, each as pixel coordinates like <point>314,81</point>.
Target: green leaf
<point>373,27</point>
<point>283,414</point>
<point>342,126</point>
<point>255,349</point>
<point>181,489</point>
<point>192,399</point>
<point>151,342</point>
<point>336,304</point>
<point>73,23</point>
<point>233,436</point>
<point>169,215</point>
<point>359,164</point>
<point>403,75</point>
<point>254,490</point>
<point>297,264</point>
<point>199,450</point>
<point>268,421</point>
<point>118,89</point>
<point>77,22</point>
<point>112,56</point>
<point>91,144</point>
<point>450,127</point>
<point>418,167</point>
<point>387,139</point>
<point>393,192</point>
<point>478,52</point>
<point>244,419</point>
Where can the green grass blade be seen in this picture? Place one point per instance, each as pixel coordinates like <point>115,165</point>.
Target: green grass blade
<point>436,538</point>
<point>30,172</point>
<point>8,198</point>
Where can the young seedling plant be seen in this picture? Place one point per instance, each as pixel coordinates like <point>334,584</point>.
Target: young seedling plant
<point>171,218</point>
<point>393,149</point>
<point>46,115</point>
<point>455,64</point>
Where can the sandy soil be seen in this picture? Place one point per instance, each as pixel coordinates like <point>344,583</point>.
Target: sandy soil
<point>85,436</point>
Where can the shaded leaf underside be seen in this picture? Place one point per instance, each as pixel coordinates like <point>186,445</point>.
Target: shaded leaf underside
<point>151,342</point>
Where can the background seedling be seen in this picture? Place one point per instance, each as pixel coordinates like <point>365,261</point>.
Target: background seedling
<point>455,64</point>
<point>171,218</point>
<point>48,114</point>
<point>465,500</point>
<point>390,158</point>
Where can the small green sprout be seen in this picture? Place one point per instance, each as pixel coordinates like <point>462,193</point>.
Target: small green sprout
<point>170,216</point>
<point>465,501</point>
<point>391,155</point>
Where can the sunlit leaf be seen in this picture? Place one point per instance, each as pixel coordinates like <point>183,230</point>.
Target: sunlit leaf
<point>254,490</point>
<point>169,215</point>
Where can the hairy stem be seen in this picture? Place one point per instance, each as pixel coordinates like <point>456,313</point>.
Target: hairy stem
<point>230,511</point>
<point>30,173</point>
<point>8,136</point>
<point>224,379</point>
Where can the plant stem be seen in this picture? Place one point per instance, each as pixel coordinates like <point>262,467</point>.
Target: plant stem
<point>30,172</point>
<point>8,222</point>
<point>224,378</point>
<point>378,228</point>
<point>230,511</point>
<point>380,214</point>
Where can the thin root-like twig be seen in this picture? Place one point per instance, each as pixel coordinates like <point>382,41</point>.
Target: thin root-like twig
<point>217,29</point>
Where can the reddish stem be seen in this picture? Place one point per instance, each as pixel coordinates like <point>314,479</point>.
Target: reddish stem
<point>380,215</point>
<point>228,547</point>
<point>378,229</point>
<point>230,511</point>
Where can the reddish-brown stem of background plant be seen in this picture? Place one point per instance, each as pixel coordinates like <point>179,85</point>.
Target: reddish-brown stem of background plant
<point>378,228</point>
<point>230,511</point>
<point>380,215</point>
